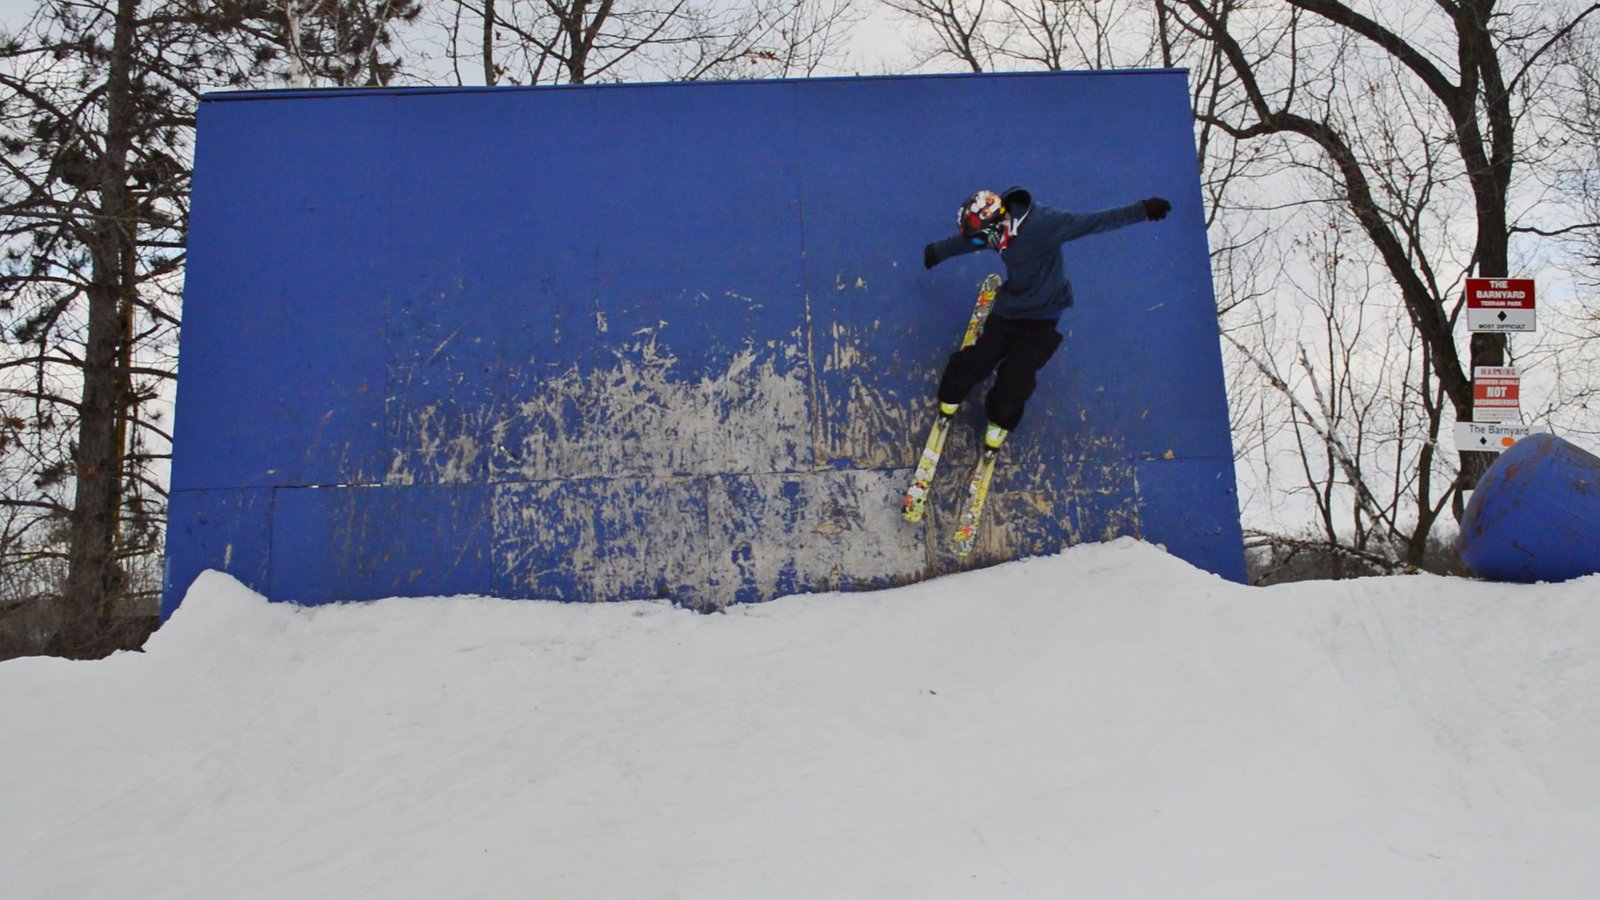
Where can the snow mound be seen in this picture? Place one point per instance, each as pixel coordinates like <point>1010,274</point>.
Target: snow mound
<point>1108,722</point>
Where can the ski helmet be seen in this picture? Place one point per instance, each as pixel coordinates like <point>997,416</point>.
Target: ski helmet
<point>983,221</point>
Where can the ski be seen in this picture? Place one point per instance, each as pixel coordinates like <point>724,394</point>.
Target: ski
<point>980,310</point>
<point>916,497</point>
<point>977,494</point>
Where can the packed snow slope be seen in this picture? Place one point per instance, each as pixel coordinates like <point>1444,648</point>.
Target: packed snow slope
<point>1105,723</point>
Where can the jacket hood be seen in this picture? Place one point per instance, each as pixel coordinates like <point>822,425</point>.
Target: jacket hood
<point>1018,202</point>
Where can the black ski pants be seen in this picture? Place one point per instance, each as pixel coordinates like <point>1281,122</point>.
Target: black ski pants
<point>1020,348</point>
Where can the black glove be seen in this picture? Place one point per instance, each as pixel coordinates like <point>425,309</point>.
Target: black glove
<point>929,258</point>
<point>1156,208</point>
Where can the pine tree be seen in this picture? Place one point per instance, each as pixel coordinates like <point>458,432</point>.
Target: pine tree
<point>96,126</point>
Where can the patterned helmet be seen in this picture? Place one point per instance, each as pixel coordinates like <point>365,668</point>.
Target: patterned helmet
<point>983,221</point>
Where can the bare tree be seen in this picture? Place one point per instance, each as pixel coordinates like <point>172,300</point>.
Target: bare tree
<point>309,43</point>
<point>986,35</point>
<point>1362,414</point>
<point>1401,121</point>
<point>1574,176</point>
<point>583,41</point>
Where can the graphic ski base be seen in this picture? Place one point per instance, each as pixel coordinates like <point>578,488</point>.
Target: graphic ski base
<point>915,501</point>
<point>916,498</point>
<point>966,534</point>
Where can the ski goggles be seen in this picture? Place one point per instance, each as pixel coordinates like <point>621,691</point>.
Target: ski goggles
<point>995,236</point>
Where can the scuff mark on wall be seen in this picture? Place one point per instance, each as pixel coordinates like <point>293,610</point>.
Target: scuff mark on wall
<point>640,416</point>
<point>445,445</point>
<point>637,415</point>
<point>863,422</point>
<point>621,477</point>
<point>828,530</point>
<point>590,539</point>
<point>703,542</point>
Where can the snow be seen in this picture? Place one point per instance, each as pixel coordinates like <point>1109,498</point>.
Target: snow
<point>1106,723</point>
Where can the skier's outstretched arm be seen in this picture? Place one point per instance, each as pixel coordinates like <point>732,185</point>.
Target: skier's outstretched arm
<point>939,251</point>
<point>1065,226</point>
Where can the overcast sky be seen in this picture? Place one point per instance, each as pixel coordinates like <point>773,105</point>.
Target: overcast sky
<point>871,41</point>
<point>12,12</point>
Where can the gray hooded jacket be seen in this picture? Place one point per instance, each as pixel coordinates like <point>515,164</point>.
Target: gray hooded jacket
<point>1036,286</point>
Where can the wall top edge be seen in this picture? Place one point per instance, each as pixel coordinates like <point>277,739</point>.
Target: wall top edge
<point>331,93</point>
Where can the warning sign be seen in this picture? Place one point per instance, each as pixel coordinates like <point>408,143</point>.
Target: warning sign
<point>1500,304</point>
<point>1496,394</point>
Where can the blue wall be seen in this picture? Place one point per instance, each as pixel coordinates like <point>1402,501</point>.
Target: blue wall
<point>610,342</point>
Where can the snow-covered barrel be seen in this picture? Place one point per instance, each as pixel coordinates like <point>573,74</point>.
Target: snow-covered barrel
<point>1535,515</point>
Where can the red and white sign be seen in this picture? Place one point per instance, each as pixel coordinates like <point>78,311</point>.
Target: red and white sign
<point>1500,304</point>
<point>1496,394</point>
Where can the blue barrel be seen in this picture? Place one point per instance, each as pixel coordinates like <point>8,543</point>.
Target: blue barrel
<point>1535,515</point>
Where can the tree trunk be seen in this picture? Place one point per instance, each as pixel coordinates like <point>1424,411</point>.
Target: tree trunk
<point>1489,170</point>
<point>93,575</point>
<point>489,78</point>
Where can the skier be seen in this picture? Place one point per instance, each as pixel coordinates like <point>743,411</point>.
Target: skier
<point>1021,334</point>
